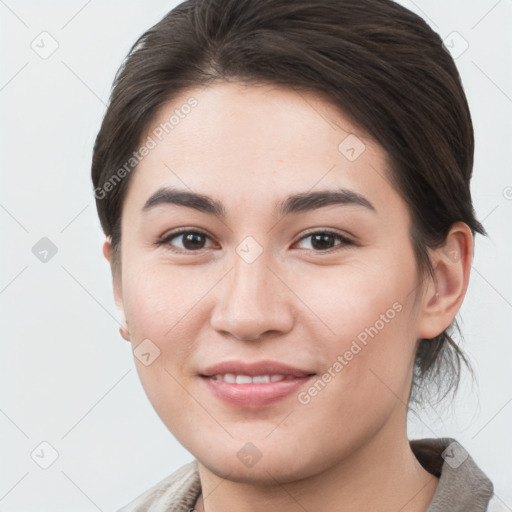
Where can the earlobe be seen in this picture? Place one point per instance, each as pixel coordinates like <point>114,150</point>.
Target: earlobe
<point>123,330</point>
<point>444,295</point>
<point>118,296</point>
<point>107,249</point>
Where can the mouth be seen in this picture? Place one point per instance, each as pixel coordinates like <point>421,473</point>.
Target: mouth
<point>253,385</point>
<point>232,378</point>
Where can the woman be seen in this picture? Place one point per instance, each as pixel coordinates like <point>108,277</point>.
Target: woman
<point>284,186</point>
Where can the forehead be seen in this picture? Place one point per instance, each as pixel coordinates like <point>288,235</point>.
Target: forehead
<point>248,117</point>
<point>256,141</point>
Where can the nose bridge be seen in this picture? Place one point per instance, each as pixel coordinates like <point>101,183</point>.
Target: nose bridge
<point>251,302</point>
<point>250,280</point>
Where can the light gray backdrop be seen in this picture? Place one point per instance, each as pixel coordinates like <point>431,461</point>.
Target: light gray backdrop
<point>68,379</point>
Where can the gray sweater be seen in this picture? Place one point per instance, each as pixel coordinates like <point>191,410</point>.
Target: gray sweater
<point>462,487</point>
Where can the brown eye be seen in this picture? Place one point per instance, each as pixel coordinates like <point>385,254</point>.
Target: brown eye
<point>325,240</point>
<point>190,240</point>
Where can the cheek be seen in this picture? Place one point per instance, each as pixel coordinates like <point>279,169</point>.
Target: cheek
<point>159,305</point>
<point>158,297</point>
<point>370,344</point>
<point>351,299</point>
<point>366,375</point>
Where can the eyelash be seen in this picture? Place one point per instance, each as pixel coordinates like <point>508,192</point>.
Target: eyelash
<point>167,239</point>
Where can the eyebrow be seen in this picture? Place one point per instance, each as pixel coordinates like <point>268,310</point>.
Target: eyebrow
<point>304,201</point>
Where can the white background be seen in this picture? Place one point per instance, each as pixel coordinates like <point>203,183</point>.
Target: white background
<point>67,377</point>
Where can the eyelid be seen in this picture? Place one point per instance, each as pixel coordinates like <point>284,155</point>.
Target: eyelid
<point>329,231</point>
<point>344,240</point>
<point>166,239</point>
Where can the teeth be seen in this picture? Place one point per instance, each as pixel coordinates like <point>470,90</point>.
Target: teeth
<point>260,378</point>
<point>247,379</point>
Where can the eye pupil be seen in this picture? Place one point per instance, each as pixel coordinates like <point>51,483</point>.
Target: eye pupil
<point>325,241</point>
<point>193,241</point>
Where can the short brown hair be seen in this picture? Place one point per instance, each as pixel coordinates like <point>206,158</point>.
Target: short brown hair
<point>381,63</point>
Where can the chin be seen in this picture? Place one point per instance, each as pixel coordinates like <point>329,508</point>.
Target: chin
<point>259,464</point>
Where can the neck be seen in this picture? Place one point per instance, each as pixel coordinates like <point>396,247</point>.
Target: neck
<point>381,476</point>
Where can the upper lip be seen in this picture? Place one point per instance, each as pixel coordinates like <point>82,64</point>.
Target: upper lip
<point>256,368</point>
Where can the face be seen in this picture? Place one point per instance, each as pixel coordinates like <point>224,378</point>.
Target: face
<point>325,283</point>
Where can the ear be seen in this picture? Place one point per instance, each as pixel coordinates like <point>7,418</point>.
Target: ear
<point>118,293</point>
<point>445,293</point>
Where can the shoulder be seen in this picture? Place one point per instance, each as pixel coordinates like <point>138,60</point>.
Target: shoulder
<point>463,486</point>
<point>175,493</point>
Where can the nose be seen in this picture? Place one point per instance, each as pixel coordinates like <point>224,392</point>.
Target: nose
<point>252,301</point>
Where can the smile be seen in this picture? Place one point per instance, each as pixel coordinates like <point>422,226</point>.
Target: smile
<point>247,379</point>
<point>244,391</point>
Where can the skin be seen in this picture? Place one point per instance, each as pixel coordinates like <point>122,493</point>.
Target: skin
<point>248,147</point>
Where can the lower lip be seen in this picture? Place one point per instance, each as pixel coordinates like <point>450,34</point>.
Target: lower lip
<point>256,394</point>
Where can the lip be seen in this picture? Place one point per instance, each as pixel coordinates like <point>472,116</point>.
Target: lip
<point>266,367</point>
<point>254,395</point>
